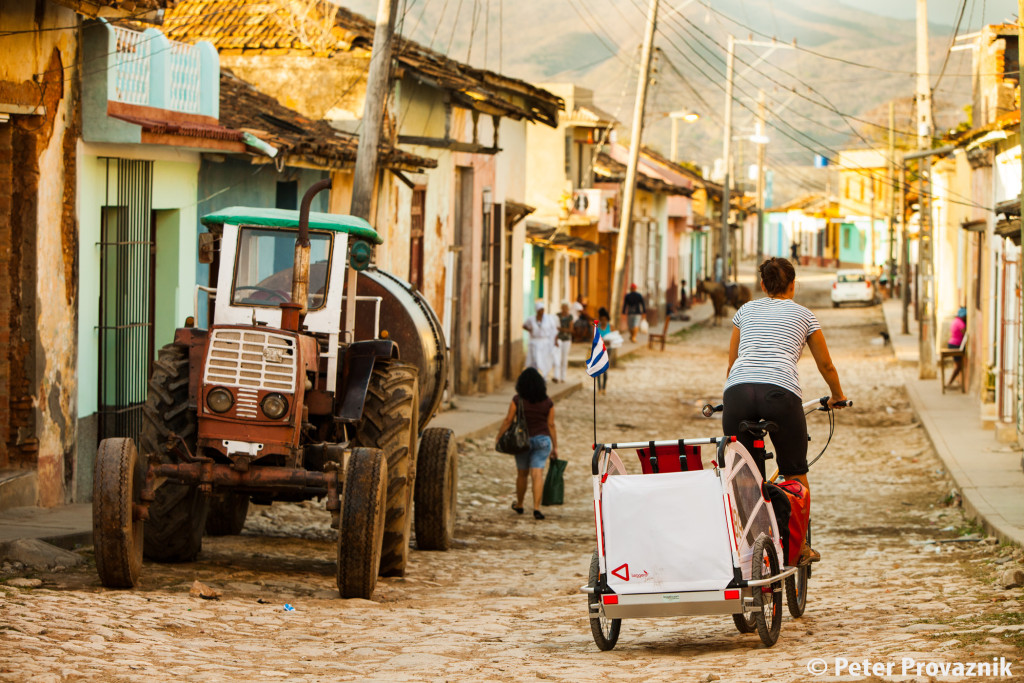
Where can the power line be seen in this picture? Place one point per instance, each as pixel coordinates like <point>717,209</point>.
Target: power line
<point>949,49</point>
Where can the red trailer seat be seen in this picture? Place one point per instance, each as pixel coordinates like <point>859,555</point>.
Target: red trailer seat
<point>671,458</point>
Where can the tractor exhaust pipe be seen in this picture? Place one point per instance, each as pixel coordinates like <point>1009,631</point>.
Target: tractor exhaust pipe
<point>293,312</point>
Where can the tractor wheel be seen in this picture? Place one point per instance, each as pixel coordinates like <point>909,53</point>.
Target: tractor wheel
<point>361,532</point>
<point>177,516</point>
<point>227,514</point>
<point>437,484</point>
<point>117,534</point>
<point>390,418</point>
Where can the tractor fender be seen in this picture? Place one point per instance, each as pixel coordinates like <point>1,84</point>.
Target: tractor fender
<point>354,376</point>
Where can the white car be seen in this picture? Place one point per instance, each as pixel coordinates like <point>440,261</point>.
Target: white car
<point>852,286</point>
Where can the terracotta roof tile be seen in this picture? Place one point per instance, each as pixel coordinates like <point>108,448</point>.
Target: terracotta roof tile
<point>245,108</point>
<point>260,27</point>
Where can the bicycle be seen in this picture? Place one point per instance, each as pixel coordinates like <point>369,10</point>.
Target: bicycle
<point>796,585</point>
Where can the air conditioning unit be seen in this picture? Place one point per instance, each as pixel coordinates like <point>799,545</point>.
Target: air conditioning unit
<point>596,205</point>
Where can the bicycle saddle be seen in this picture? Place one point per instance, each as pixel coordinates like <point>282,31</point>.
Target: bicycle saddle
<point>759,428</point>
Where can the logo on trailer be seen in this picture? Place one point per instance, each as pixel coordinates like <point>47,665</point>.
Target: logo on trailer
<point>624,575</point>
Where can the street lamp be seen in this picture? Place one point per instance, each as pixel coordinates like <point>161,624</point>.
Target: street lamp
<point>689,117</point>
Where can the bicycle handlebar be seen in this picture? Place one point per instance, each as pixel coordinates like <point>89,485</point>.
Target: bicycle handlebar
<point>708,410</point>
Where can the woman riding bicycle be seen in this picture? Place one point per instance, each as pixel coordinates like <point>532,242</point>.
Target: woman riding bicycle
<point>768,338</point>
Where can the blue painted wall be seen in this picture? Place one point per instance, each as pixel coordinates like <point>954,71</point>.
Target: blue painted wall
<point>852,243</point>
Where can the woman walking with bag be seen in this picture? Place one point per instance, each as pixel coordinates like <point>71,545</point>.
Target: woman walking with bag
<point>539,411</point>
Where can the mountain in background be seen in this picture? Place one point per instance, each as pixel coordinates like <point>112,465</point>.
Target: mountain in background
<point>816,105</point>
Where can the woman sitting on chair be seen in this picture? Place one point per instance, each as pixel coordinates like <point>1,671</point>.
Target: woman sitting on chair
<point>957,330</point>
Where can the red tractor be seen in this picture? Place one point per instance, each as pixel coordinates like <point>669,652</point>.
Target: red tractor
<point>313,381</point>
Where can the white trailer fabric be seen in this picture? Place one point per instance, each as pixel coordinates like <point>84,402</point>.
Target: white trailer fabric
<point>666,533</point>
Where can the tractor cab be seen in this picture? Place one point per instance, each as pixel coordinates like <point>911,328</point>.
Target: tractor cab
<point>256,264</point>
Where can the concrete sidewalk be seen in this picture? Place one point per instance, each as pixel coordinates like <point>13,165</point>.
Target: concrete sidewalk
<point>987,473</point>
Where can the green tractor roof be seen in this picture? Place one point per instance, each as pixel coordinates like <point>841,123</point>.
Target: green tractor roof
<point>284,218</point>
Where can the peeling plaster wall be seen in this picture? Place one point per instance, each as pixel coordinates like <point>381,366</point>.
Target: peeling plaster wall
<point>331,88</point>
<point>38,275</point>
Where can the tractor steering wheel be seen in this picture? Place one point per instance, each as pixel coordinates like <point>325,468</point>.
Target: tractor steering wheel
<point>264,290</point>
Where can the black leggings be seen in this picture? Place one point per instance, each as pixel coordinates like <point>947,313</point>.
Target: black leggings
<point>755,402</point>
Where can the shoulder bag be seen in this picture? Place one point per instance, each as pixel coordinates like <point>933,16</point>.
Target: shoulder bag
<point>516,439</point>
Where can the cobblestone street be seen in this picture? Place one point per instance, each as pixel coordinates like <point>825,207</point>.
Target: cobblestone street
<point>899,578</point>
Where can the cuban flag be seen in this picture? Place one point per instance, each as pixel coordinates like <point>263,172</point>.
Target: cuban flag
<point>598,363</point>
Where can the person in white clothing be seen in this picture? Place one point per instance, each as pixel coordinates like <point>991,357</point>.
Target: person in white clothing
<point>543,329</point>
<point>563,343</point>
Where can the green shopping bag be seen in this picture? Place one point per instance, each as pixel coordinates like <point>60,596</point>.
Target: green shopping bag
<point>554,482</point>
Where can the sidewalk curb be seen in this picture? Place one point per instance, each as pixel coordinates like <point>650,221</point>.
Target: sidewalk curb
<point>974,503</point>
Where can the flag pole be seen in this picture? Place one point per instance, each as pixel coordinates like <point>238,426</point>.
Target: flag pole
<point>595,412</point>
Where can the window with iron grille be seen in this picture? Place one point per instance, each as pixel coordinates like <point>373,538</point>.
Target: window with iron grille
<point>490,285</point>
<point>417,221</point>
<point>127,268</point>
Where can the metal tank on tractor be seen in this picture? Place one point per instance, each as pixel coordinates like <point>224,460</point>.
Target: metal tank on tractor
<point>316,379</point>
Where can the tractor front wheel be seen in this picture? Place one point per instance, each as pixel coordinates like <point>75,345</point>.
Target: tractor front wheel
<point>116,529</point>
<point>361,532</point>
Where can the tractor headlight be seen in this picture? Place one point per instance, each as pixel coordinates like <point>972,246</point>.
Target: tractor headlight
<point>359,255</point>
<point>220,400</point>
<point>274,406</point>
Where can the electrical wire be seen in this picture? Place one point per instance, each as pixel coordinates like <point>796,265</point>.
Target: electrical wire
<point>834,153</point>
<point>949,49</point>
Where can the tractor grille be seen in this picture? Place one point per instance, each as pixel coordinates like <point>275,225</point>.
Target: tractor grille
<point>251,359</point>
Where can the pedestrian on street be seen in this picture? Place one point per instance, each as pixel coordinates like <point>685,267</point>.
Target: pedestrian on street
<point>719,268</point>
<point>539,410</point>
<point>794,251</point>
<point>563,342</point>
<point>768,338</point>
<point>604,328</point>
<point>635,308</point>
<point>543,329</point>
<point>684,300</point>
<point>957,330</point>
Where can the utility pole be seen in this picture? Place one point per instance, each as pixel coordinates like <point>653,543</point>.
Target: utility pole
<point>629,187</point>
<point>377,87</point>
<point>726,156</point>
<point>761,145</point>
<point>1020,270</point>
<point>926,297</point>
<point>891,208</point>
<point>904,251</point>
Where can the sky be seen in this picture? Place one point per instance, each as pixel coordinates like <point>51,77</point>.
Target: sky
<point>941,11</point>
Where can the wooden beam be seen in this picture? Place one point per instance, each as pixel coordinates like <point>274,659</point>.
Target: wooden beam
<point>447,143</point>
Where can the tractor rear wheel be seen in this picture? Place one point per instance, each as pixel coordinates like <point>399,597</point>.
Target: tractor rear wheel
<point>437,484</point>
<point>361,531</point>
<point>390,418</point>
<point>177,515</point>
<point>227,514</point>
<point>116,530</point>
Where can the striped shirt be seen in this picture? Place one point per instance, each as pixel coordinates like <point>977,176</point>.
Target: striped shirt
<point>772,337</point>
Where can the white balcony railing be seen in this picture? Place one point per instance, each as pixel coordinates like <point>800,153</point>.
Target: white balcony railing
<point>147,69</point>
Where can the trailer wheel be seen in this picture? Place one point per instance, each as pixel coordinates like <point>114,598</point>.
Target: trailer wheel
<point>177,515</point>
<point>606,631</point>
<point>227,514</point>
<point>117,533</point>
<point>796,587</point>
<point>390,417</point>
<point>437,489</point>
<point>744,622</point>
<point>361,532</point>
<point>767,599</point>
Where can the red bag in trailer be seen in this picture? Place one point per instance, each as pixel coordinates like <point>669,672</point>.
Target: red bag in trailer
<point>799,517</point>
